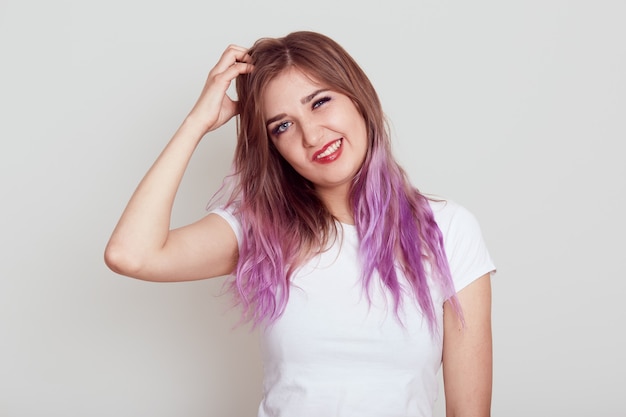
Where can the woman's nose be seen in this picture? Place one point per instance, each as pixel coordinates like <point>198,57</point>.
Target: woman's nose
<point>311,134</point>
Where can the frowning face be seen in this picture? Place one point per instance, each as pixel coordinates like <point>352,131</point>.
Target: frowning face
<point>318,131</point>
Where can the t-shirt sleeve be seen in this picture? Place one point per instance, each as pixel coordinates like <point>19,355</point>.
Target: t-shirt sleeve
<point>465,247</point>
<point>232,220</point>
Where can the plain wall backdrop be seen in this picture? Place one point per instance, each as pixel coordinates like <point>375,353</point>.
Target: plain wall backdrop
<point>514,109</point>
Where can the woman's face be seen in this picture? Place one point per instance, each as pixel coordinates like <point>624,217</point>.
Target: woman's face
<point>320,132</point>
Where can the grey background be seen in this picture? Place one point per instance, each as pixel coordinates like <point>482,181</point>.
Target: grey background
<point>513,109</point>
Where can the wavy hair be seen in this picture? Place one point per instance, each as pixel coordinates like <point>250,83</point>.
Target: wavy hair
<point>283,219</point>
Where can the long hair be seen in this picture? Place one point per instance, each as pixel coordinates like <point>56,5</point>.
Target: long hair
<point>283,219</point>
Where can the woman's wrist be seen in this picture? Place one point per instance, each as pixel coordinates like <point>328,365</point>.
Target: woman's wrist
<point>193,127</point>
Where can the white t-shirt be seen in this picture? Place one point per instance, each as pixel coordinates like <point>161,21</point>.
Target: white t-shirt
<point>332,353</point>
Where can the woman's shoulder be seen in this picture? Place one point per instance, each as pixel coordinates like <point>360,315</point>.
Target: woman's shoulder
<point>449,213</point>
<point>467,253</point>
<point>458,225</point>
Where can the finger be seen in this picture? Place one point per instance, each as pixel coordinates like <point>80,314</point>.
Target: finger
<point>241,67</point>
<point>235,70</point>
<point>231,55</point>
<point>246,58</point>
<point>224,79</point>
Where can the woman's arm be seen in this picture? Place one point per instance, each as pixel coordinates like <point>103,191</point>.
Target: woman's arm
<point>142,245</point>
<point>467,352</point>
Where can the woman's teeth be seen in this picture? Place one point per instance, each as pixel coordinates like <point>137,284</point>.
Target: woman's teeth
<point>330,150</point>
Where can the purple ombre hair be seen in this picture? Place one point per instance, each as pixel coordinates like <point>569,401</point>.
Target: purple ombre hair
<point>284,221</point>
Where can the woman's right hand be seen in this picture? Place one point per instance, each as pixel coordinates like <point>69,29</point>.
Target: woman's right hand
<point>214,107</point>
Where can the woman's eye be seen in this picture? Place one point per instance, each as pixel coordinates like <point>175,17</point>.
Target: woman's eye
<point>280,128</point>
<point>321,101</point>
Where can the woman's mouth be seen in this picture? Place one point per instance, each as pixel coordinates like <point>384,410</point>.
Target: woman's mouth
<point>329,153</point>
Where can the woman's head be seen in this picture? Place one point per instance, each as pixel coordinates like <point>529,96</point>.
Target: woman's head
<point>323,61</point>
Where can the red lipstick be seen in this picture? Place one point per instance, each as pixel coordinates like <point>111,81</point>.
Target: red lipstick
<point>329,153</point>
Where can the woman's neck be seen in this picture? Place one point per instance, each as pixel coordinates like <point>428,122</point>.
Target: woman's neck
<point>337,202</point>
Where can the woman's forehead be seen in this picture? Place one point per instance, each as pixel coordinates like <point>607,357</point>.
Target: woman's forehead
<point>291,84</point>
<point>293,73</point>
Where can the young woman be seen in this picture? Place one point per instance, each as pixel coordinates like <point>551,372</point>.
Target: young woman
<point>362,285</point>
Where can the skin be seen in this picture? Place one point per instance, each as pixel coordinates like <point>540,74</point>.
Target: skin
<point>467,352</point>
<point>305,118</point>
<point>142,245</point>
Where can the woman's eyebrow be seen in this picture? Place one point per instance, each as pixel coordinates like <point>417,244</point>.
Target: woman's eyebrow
<point>274,119</point>
<point>311,96</point>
